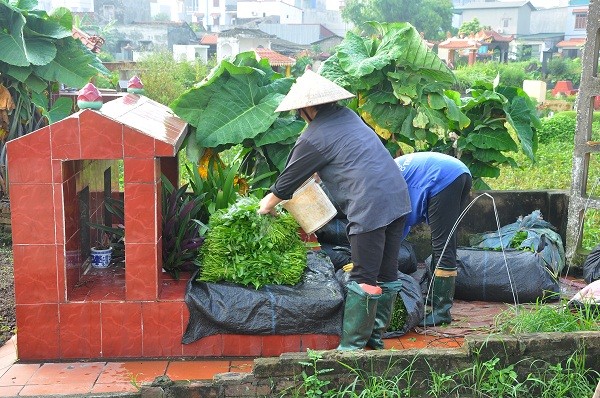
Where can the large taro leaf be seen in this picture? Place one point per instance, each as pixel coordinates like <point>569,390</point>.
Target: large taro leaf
<point>191,105</point>
<point>239,107</point>
<point>360,57</point>
<point>487,138</point>
<point>283,129</point>
<point>12,41</point>
<point>73,65</point>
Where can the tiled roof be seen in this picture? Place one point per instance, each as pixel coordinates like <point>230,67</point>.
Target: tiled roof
<point>94,43</point>
<point>275,59</point>
<point>209,39</point>
<point>455,43</point>
<point>571,43</point>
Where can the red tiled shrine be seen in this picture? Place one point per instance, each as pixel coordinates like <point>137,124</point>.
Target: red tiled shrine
<point>59,176</point>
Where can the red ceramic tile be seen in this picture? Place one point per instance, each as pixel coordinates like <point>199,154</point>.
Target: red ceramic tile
<point>205,347</point>
<point>138,372</point>
<point>80,330</point>
<point>35,274</point>
<point>241,366</point>
<point>10,391</point>
<point>446,343</point>
<point>61,276</point>
<point>415,340</point>
<point>236,345</point>
<point>141,271</point>
<point>67,373</point>
<point>141,170</point>
<point>140,213</point>
<point>392,344</point>
<point>32,213</point>
<point>276,345</point>
<point>115,388</point>
<point>164,149</point>
<point>29,158</point>
<point>121,330</point>
<point>38,331</point>
<point>162,329</point>
<point>137,145</point>
<point>59,224</point>
<point>18,374</point>
<point>173,290</point>
<point>8,354</point>
<point>196,370</point>
<point>41,390</point>
<point>169,166</point>
<point>70,209</point>
<point>319,342</point>
<point>101,137</point>
<point>65,139</point>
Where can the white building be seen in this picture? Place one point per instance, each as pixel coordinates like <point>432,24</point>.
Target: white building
<point>73,5</point>
<point>288,14</point>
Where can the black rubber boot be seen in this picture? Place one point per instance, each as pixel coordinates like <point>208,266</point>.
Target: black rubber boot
<point>442,299</point>
<point>385,308</point>
<point>359,316</point>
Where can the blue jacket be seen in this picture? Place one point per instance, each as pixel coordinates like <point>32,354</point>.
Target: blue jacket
<point>426,174</point>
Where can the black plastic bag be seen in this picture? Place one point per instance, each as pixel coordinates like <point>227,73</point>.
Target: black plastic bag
<point>334,232</point>
<point>591,266</point>
<point>340,256</point>
<point>314,305</point>
<point>485,275</point>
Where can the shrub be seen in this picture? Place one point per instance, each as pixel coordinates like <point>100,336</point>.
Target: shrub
<point>165,78</point>
<point>511,74</point>
<point>559,127</point>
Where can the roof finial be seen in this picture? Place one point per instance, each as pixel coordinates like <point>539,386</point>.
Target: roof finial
<point>89,97</point>
<point>135,85</point>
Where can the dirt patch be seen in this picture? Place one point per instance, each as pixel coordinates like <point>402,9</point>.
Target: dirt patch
<point>7,295</point>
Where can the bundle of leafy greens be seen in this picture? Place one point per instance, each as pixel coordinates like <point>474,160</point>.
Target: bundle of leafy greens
<point>244,247</point>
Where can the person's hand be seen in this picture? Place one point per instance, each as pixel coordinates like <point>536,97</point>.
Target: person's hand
<point>266,206</point>
<point>589,294</point>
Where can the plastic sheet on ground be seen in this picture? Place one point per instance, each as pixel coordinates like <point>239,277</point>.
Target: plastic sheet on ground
<point>313,306</point>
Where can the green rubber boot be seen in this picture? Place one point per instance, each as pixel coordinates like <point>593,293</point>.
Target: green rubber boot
<point>359,316</point>
<point>442,299</point>
<point>385,308</point>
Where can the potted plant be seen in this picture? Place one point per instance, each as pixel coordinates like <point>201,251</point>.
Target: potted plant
<point>101,253</point>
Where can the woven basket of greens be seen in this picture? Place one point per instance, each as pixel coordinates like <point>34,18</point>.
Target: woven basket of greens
<point>244,247</point>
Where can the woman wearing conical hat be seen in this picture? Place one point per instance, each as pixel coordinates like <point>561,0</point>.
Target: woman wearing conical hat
<point>365,182</point>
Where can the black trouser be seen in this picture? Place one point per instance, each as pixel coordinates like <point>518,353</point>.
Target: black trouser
<point>375,254</point>
<point>443,210</point>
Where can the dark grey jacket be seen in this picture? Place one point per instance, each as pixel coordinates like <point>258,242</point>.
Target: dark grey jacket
<point>360,174</point>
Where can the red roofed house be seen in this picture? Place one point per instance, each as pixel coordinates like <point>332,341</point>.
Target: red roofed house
<point>276,60</point>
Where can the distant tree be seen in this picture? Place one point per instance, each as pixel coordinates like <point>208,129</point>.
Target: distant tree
<point>162,17</point>
<point>470,27</point>
<point>430,17</point>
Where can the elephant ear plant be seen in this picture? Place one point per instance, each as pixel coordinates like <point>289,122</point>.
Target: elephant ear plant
<point>403,92</point>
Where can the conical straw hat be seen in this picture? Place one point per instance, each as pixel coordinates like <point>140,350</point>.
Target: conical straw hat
<point>312,89</point>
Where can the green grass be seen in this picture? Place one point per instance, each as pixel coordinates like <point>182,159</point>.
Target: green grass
<point>553,170</point>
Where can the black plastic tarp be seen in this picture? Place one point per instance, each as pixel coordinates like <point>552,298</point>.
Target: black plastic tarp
<point>488,275</point>
<point>314,305</point>
<point>591,266</point>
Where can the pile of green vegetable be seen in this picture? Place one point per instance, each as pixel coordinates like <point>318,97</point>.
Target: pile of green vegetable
<point>399,315</point>
<point>244,247</point>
